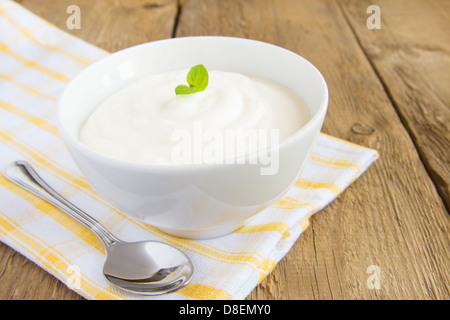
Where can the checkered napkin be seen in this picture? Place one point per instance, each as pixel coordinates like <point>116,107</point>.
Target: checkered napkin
<point>36,62</point>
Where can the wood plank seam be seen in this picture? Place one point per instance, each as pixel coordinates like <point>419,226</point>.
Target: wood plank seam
<point>177,17</point>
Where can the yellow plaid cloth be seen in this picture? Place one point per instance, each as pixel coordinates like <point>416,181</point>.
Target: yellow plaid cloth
<point>36,62</point>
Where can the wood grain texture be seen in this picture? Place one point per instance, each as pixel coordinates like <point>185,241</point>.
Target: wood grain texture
<point>391,217</point>
<point>112,24</point>
<point>411,55</point>
<point>21,279</point>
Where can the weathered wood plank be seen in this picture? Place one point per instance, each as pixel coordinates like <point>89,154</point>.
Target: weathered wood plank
<point>112,24</point>
<point>392,217</point>
<point>21,279</point>
<point>411,55</point>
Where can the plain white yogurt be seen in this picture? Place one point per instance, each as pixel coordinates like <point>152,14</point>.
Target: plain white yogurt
<point>141,123</point>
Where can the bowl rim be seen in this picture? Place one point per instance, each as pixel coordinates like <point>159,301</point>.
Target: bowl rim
<point>66,136</point>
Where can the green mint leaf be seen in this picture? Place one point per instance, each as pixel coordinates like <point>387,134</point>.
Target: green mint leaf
<point>184,89</point>
<point>197,79</point>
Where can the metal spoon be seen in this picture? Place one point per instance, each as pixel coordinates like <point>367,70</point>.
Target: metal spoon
<point>146,267</point>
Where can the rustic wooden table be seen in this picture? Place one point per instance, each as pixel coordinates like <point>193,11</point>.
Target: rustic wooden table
<point>394,220</point>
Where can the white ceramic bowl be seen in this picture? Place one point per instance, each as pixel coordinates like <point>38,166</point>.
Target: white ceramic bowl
<point>192,201</point>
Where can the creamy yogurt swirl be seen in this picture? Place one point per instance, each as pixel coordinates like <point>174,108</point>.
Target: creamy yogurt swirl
<point>137,123</point>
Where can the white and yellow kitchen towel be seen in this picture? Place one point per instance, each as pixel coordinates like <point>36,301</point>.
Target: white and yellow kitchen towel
<point>36,62</point>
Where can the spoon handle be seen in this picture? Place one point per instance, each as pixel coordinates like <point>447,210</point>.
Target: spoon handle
<point>22,173</point>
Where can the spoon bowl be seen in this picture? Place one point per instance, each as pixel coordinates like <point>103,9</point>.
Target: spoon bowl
<point>132,267</point>
<point>145,267</point>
